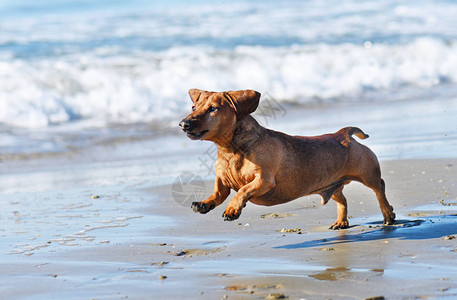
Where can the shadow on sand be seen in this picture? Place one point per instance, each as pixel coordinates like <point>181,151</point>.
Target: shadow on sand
<point>430,227</point>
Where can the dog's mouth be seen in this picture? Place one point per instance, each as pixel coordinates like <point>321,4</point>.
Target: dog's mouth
<point>196,135</point>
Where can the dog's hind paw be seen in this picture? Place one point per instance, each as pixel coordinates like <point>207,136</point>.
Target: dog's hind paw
<point>389,218</point>
<point>202,207</point>
<point>389,221</point>
<point>340,225</point>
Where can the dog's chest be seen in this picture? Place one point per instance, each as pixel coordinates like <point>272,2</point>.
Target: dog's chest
<point>234,171</point>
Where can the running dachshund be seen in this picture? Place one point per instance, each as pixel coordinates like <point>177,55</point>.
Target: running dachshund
<point>268,167</point>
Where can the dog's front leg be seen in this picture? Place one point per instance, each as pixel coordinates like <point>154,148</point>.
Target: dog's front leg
<point>259,186</point>
<point>221,192</point>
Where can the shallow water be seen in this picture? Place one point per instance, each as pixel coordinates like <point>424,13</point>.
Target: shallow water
<point>47,218</point>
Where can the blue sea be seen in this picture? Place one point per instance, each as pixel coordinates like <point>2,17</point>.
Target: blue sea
<point>72,62</point>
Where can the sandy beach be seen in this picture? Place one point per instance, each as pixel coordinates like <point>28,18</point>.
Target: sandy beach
<point>108,222</point>
<point>97,179</point>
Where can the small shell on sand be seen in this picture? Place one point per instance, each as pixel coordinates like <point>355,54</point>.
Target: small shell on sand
<point>276,216</point>
<point>297,230</point>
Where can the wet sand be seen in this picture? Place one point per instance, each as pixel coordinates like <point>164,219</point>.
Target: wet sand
<point>169,252</point>
<point>106,223</point>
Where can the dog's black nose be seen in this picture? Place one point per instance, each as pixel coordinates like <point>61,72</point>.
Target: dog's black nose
<point>185,124</point>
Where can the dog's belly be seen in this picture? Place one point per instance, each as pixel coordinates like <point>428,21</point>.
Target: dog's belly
<point>281,194</point>
<point>278,195</point>
<point>270,198</point>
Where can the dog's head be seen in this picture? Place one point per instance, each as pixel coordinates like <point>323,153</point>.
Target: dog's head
<point>214,114</point>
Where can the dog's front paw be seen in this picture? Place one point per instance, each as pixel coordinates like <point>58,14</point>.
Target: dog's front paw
<point>231,214</point>
<point>202,207</point>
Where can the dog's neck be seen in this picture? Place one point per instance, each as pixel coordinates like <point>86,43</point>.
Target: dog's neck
<point>247,133</point>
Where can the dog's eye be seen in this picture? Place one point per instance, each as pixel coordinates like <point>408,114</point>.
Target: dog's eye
<point>193,108</point>
<point>213,109</point>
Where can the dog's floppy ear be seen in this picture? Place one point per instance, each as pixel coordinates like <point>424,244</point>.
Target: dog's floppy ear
<point>195,94</point>
<point>245,102</point>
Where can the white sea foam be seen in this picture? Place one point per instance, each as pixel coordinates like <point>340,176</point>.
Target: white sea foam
<point>153,85</point>
<point>134,62</point>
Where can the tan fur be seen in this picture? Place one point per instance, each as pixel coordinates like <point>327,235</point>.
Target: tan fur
<point>268,167</point>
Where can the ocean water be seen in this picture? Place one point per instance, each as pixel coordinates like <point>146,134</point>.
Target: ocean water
<point>64,63</point>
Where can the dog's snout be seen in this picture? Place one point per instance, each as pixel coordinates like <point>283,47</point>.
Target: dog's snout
<point>185,124</point>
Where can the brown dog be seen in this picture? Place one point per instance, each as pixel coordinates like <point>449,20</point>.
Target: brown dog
<point>268,167</point>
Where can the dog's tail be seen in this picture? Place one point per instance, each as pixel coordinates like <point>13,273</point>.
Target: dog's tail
<point>355,131</point>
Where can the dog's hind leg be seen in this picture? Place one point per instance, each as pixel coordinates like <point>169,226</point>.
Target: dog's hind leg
<point>379,187</point>
<point>366,167</point>
<point>342,209</point>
